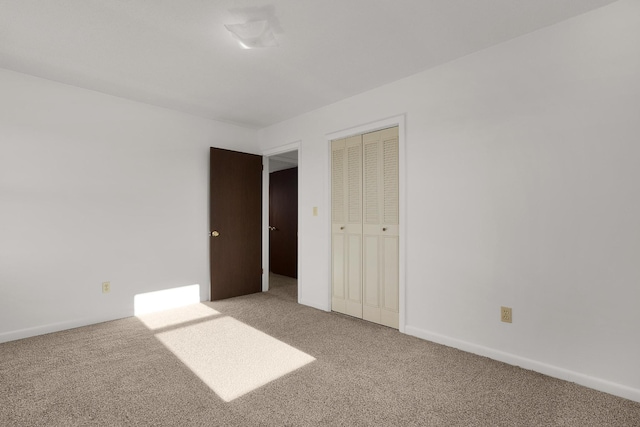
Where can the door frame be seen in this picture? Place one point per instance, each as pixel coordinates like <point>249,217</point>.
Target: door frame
<point>402,201</point>
<point>294,146</point>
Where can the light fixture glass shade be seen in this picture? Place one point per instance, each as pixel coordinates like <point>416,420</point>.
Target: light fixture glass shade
<point>255,34</point>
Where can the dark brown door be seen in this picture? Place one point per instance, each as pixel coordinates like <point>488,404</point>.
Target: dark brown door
<point>283,222</point>
<point>235,243</point>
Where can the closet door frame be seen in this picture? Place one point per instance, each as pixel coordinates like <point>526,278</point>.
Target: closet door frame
<point>398,121</point>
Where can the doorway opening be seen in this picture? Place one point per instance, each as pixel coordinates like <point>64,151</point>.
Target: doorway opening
<point>283,223</point>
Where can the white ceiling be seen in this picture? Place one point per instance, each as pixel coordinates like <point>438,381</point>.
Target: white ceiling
<point>178,54</point>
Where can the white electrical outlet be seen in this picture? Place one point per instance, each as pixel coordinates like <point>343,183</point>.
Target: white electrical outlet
<point>505,314</point>
<point>106,287</point>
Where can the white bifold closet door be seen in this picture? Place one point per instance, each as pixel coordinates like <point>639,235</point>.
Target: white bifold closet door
<point>346,227</point>
<point>365,226</point>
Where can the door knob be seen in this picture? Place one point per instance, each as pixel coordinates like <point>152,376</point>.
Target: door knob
<point>272,228</point>
<point>214,233</point>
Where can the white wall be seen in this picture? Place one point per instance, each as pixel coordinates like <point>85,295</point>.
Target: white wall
<point>523,171</point>
<point>95,188</point>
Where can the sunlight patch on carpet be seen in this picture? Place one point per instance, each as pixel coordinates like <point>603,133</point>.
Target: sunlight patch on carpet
<point>177,316</point>
<point>232,358</point>
<point>165,299</point>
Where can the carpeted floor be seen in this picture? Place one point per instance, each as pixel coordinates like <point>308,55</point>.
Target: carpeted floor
<point>203,366</point>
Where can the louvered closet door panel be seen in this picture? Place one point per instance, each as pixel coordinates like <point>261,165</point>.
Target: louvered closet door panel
<point>338,170</point>
<point>371,282</point>
<point>338,292</point>
<point>354,180</point>
<point>353,226</point>
<point>346,229</point>
<point>390,280</point>
<point>381,227</point>
<point>338,218</point>
<point>372,192</point>
<point>354,275</point>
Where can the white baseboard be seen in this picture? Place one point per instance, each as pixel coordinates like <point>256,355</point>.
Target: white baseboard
<point>60,326</point>
<point>533,365</point>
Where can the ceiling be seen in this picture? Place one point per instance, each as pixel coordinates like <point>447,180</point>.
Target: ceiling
<point>177,53</point>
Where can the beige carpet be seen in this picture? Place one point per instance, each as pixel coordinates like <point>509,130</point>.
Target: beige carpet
<point>263,360</point>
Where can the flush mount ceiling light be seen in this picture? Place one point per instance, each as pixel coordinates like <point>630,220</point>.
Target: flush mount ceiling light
<point>254,34</point>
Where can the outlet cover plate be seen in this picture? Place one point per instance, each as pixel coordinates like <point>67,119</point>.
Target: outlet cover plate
<point>505,314</point>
